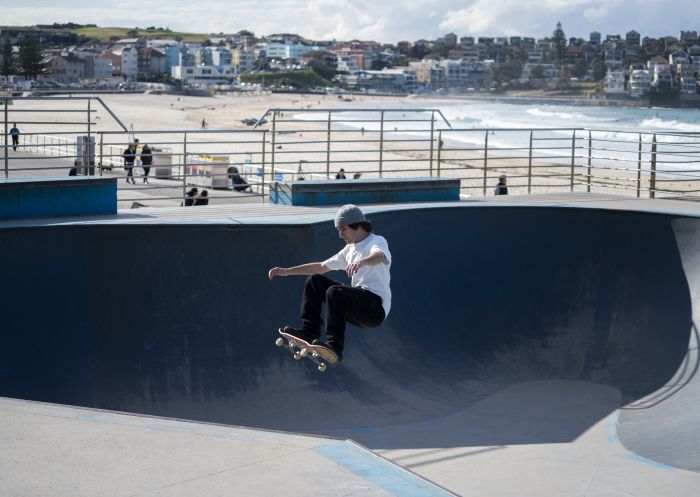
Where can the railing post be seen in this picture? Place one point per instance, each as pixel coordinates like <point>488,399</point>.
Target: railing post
<point>439,152</point>
<point>573,157</point>
<point>89,141</point>
<point>486,158</point>
<point>262,166</point>
<point>381,144</point>
<point>652,177</point>
<point>7,165</point>
<point>272,145</point>
<point>639,167</point>
<point>590,161</point>
<point>328,147</point>
<point>184,168</point>
<point>529,167</point>
<point>432,140</point>
<point>101,164</point>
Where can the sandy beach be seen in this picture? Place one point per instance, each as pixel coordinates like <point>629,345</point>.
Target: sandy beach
<point>305,147</point>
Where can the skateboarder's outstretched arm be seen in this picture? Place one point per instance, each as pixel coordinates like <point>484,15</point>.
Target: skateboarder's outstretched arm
<point>302,270</point>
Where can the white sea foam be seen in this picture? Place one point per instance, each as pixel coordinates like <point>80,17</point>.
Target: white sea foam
<point>656,123</point>
<point>558,115</point>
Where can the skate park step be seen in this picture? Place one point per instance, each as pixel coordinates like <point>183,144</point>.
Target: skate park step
<point>363,191</point>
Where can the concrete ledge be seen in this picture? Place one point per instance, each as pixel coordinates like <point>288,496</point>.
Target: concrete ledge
<point>363,191</point>
<point>24,198</point>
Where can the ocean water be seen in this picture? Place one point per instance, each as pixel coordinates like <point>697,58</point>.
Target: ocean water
<point>615,132</point>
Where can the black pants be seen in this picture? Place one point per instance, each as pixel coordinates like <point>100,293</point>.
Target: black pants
<point>129,171</point>
<point>344,304</point>
<point>15,142</point>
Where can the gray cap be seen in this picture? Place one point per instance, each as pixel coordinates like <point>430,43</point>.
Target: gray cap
<point>349,214</point>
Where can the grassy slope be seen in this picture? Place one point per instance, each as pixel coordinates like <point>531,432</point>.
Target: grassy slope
<point>104,34</point>
<point>299,79</point>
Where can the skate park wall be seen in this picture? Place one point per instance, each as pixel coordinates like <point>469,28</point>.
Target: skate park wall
<point>180,320</point>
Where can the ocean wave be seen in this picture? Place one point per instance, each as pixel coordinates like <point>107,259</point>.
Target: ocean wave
<point>656,123</point>
<point>559,115</point>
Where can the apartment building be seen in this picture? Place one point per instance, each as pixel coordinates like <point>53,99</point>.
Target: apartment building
<point>639,83</point>
<point>65,68</point>
<point>386,80</point>
<point>204,74</point>
<point>615,83</point>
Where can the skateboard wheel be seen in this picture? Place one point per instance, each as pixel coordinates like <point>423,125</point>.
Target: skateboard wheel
<point>303,352</point>
<point>297,355</point>
<point>322,367</point>
<point>279,342</point>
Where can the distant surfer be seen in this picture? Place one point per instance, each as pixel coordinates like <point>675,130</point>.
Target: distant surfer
<point>365,303</point>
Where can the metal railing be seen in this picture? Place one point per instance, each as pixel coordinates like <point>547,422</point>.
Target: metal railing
<point>293,144</point>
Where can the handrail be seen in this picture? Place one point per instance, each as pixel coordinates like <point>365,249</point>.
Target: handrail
<point>338,110</point>
<point>535,159</point>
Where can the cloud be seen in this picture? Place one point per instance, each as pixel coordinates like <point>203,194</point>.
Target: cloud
<point>386,21</point>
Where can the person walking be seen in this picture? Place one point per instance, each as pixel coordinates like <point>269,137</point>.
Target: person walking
<point>146,161</point>
<point>14,133</point>
<point>129,158</point>
<point>365,302</point>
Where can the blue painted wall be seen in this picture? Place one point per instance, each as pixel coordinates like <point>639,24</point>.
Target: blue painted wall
<point>57,197</point>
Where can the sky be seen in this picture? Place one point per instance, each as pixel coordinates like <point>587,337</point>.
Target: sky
<point>387,21</point>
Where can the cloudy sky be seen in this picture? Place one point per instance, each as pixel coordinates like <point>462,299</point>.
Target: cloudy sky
<point>381,20</point>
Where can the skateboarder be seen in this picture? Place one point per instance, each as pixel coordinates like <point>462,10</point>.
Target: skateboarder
<point>366,260</point>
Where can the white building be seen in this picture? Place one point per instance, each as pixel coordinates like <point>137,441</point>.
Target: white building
<point>615,83</point>
<point>639,83</point>
<point>130,62</point>
<point>288,51</point>
<point>386,80</point>
<point>204,74</point>
<point>347,63</point>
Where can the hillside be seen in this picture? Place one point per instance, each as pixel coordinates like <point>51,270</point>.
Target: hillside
<point>108,34</point>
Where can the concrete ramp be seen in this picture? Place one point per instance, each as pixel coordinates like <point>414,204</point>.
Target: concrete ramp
<point>510,326</point>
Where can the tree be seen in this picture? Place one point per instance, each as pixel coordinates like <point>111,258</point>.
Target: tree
<point>559,40</point>
<point>8,59</point>
<point>511,70</point>
<point>580,69</point>
<point>30,61</point>
<point>537,72</point>
<point>598,69</point>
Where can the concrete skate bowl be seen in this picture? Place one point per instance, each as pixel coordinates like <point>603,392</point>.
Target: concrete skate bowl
<point>508,326</point>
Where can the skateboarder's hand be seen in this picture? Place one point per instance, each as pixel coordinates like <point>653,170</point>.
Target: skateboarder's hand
<point>354,267</point>
<point>276,271</point>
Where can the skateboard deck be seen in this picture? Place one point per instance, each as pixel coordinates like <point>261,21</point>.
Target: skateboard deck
<point>320,355</point>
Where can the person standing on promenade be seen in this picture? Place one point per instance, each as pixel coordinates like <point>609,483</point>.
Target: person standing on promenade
<point>146,161</point>
<point>129,158</point>
<point>365,303</point>
<point>14,133</point>
<point>502,186</point>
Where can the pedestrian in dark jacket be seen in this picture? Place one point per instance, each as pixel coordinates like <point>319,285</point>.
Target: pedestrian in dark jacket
<point>129,158</point>
<point>146,161</point>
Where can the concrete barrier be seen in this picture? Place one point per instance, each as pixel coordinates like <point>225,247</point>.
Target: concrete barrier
<point>24,198</point>
<point>363,191</point>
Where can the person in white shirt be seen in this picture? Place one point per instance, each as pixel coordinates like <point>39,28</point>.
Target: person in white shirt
<point>366,302</point>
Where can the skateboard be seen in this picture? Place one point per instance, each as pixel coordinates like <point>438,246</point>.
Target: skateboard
<point>320,355</point>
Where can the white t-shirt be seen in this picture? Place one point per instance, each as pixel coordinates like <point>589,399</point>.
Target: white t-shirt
<point>375,278</point>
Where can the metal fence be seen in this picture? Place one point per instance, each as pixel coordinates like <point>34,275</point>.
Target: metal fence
<point>81,135</point>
